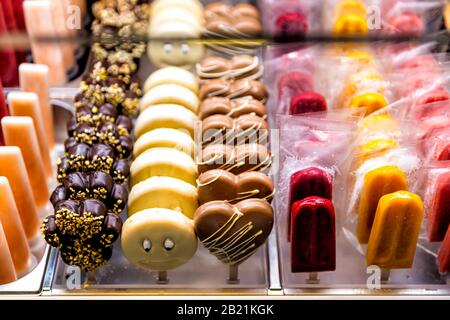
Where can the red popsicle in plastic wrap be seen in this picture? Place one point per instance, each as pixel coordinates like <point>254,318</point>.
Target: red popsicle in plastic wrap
<point>307,102</point>
<point>292,83</point>
<point>8,63</point>
<point>444,254</point>
<point>443,152</point>
<point>3,111</point>
<point>306,183</point>
<point>291,24</point>
<point>406,24</point>
<point>313,245</point>
<point>439,214</point>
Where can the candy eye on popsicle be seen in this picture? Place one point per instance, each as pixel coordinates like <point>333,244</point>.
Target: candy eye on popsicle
<point>377,183</point>
<point>395,231</point>
<point>313,247</point>
<point>308,182</point>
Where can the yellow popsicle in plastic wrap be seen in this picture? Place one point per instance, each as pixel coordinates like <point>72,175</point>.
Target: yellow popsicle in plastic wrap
<point>360,57</point>
<point>350,6</point>
<point>371,101</point>
<point>377,183</point>
<point>351,24</point>
<point>395,231</point>
<point>373,149</point>
<point>376,123</point>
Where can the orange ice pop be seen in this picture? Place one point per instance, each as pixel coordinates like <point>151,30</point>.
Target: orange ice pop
<point>12,226</point>
<point>39,23</point>
<point>60,17</point>
<point>20,132</point>
<point>7,272</point>
<point>377,183</point>
<point>13,168</point>
<point>35,78</point>
<point>27,104</point>
<point>395,231</point>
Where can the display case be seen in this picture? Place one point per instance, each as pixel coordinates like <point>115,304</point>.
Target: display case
<point>268,271</point>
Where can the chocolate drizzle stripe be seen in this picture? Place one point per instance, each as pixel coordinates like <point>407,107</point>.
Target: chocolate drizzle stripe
<point>227,246</point>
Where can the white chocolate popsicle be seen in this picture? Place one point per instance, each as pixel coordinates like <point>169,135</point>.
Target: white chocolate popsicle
<point>27,104</point>
<point>20,132</point>
<point>35,78</point>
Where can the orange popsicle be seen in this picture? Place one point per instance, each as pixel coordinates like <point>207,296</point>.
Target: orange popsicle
<point>39,23</point>
<point>20,132</point>
<point>13,168</point>
<point>17,240</point>
<point>7,272</point>
<point>34,78</point>
<point>60,18</point>
<point>395,231</point>
<point>27,104</point>
<point>377,183</point>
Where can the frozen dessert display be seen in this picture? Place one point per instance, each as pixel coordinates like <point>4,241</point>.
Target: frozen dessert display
<point>159,233</point>
<point>241,127</point>
<point>94,171</point>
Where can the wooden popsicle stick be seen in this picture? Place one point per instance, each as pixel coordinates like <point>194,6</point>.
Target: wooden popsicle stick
<point>313,278</point>
<point>233,277</point>
<point>385,275</point>
<point>162,277</point>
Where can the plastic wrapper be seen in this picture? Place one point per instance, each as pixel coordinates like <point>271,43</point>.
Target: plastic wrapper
<point>290,18</point>
<point>319,143</point>
<point>407,17</point>
<point>402,157</point>
<point>435,183</point>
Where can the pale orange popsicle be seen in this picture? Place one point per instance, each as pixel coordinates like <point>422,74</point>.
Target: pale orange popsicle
<point>12,226</point>
<point>27,104</point>
<point>20,132</point>
<point>7,272</point>
<point>13,168</point>
<point>35,78</point>
<point>39,23</point>
<point>60,16</point>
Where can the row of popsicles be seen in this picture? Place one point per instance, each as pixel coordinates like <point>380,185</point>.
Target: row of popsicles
<point>292,18</point>
<point>40,18</point>
<point>159,233</point>
<point>25,170</point>
<point>383,168</point>
<point>94,171</point>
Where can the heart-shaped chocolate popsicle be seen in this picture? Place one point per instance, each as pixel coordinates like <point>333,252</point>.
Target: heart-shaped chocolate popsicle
<point>233,232</point>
